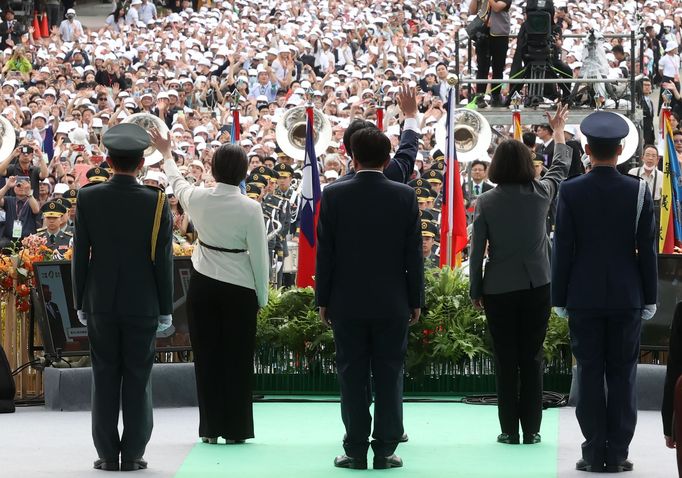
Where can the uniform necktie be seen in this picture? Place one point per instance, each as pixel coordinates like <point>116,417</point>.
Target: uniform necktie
<point>477,189</point>
<point>52,238</point>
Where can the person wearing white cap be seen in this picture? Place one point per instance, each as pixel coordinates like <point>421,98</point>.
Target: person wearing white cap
<point>70,28</point>
<point>669,69</point>
<point>133,15</point>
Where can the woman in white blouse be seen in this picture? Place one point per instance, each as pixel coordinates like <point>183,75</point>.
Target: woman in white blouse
<point>229,282</point>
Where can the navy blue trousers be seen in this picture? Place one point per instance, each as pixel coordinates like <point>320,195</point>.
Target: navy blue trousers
<point>605,344</point>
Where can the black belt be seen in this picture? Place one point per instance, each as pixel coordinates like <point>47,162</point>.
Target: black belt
<point>220,249</point>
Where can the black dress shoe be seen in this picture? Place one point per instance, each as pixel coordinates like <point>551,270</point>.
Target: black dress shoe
<point>531,438</point>
<point>345,461</point>
<point>386,462</point>
<point>583,465</point>
<point>134,465</point>
<point>234,442</point>
<point>623,466</point>
<point>106,465</point>
<point>404,438</point>
<point>508,439</point>
<point>209,440</point>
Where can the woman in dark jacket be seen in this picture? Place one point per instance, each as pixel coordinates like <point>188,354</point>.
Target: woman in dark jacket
<point>110,75</point>
<point>510,226</point>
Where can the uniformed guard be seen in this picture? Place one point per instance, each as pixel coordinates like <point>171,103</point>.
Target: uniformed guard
<point>123,291</point>
<point>255,192</point>
<point>424,199</point>
<point>419,183</point>
<point>429,233</point>
<point>604,278</point>
<point>72,197</point>
<point>57,239</point>
<point>435,178</point>
<point>282,196</point>
<point>97,175</point>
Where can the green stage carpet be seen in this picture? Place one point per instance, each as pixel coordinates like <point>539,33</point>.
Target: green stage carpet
<point>446,440</point>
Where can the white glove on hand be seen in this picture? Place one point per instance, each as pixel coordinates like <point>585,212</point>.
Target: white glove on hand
<point>165,321</point>
<point>82,318</point>
<point>648,311</point>
<point>561,312</point>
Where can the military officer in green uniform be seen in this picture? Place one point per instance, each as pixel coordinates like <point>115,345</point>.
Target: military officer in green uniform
<point>283,193</point>
<point>254,190</point>
<point>97,175</point>
<point>435,178</point>
<point>429,233</point>
<point>123,292</point>
<point>57,239</point>
<point>71,197</point>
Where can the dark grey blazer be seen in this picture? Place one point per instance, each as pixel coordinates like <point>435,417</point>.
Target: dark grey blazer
<point>512,221</point>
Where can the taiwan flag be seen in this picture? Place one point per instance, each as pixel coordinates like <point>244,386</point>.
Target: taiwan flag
<point>309,210</point>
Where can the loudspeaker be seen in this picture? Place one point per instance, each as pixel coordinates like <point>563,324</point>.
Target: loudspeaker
<point>7,387</point>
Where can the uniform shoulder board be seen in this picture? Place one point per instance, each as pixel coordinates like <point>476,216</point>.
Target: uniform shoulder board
<point>67,233</point>
<point>153,188</point>
<point>41,229</point>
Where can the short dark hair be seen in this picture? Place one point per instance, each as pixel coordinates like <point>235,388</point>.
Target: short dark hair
<point>677,132</point>
<point>647,146</point>
<point>529,139</point>
<point>441,63</point>
<point>511,163</point>
<point>603,150</point>
<point>478,162</point>
<point>125,164</point>
<point>229,164</point>
<point>355,125</point>
<point>371,148</point>
<point>617,49</point>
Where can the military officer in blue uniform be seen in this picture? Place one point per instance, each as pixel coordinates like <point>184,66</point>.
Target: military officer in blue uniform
<point>604,279</point>
<point>123,292</point>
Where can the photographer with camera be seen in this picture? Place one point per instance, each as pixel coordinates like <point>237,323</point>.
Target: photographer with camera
<point>25,161</point>
<point>492,43</point>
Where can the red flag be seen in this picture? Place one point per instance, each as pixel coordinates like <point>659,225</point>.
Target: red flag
<point>380,118</point>
<point>453,224</point>
<point>309,210</point>
<point>235,126</point>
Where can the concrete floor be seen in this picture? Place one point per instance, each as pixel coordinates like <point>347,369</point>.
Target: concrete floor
<point>38,443</point>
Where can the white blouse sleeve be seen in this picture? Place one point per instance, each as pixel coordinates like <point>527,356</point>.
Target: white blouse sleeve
<point>257,245</point>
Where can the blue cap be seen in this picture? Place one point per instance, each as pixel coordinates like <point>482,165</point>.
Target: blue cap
<point>604,127</point>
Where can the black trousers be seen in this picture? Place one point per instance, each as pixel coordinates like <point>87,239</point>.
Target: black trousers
<point>518,324</point>
<point>605,344</point>
<point>222,327</point>
<point>377,346</point>
<point>122,354</point>
<point>490,51</point>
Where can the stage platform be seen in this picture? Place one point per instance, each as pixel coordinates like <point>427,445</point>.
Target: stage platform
<point>300,440</point>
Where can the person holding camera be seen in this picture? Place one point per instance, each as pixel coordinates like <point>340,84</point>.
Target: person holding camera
<point>491,45</point>
<point>25,161</point>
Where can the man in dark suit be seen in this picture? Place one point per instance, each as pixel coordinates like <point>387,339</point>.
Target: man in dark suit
<point>545,151</point>
<point>604,278</point>
<point>370,318</point>
<point>647,113</point>
<point>401,166</point>
<point>478,184</point>
<point>123,291</point>
<point>10,31</point>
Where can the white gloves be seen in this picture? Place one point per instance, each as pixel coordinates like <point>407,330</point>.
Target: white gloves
<point>561,312</point>
<point>165,321</point>
<point>648,311</point>
<point>82,318</point>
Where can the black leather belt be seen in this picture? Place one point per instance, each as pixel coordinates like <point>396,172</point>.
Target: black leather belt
<point>220,249</point>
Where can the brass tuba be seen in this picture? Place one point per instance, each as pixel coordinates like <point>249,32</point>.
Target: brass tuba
<point>290,132</point>
<point>147,121</point>
<point>472,135</point>
<point>8,138</point>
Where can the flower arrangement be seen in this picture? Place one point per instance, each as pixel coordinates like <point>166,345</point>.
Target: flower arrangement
<point>184,249</point>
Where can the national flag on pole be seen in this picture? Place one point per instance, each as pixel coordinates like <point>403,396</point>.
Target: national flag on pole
<point>309,210</point>
<point>516,123</point>
<point>453,225</point>
<point>671,213</point>
<point>48,143</point>
<point>234,132</point>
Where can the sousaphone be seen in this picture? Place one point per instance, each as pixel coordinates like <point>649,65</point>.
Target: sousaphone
<point>290,132</point>
<point>147,121</point>
<point>8,138</point>
<point>472,135</point>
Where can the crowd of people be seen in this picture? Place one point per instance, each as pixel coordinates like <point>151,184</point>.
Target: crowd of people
<point>184,62</point>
